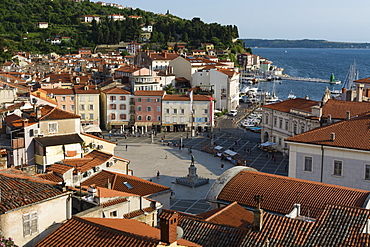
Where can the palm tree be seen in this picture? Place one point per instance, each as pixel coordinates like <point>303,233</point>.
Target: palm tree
<point>169,89</point>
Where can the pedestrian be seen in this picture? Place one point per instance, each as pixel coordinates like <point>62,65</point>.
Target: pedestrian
<point>222,166</point>
<point>245,163</point>
<point>274,159</point>
<point>165,156</point>
<point>192,159</point>
<point>187,135</point>
<point>126,147</point>
<point>117,140</point>
<point>158,175</point>
<point>267,155</point>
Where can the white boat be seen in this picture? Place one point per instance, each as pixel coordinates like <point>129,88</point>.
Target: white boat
<point>291,95</point>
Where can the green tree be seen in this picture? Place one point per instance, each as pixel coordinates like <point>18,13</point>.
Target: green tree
<point>169,89</point>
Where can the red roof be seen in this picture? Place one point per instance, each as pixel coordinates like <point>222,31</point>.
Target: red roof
<point>175,97</point>
<point>281,193</point>
<point>92,159</point>
<point>149,93</point>
<point>140,186</point>
<point>116,90</point>
<point>297,103</point>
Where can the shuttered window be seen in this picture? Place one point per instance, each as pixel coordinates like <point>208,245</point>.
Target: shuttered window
<point>30,224</point>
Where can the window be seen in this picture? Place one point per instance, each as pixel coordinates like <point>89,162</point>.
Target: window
<point>63,98</point>
<point>307,164</point>
<point>280,140</point>
<point>286,125</point>
<point>91,107</point>
<point>72,107</point>
<point>280,123</point>
<point>112,97</point>
<point>182,119</point>
<point>123,116</point>
<point>63,107</point>
<point>205,111</point>
<point>167,111</point>
<point>295,128</point>
<point>367,172</point>
<point>112,116</point>
<point>148,118</point>
<point>174,111</point>
<point>31,132</point>
<point>113,214</point>
<point>122,107</point>
<point>158,118</point>
<point>138,99</point>
<point>112,106</point>
<point>53,127</point>
<point>82,98</point>
<point>148,108</point>
<point>139,108</point>
<point>148,100</point>
<point>72,98</point>
<point>167,119</point>
<point>139,117</point>
<point>82,107</point>
<point>158,108</point>
<point>274,139</point>
<point>266,119</point>
<point>338,168</point>
<point>83,116</point>
<point>30,224</point>
<point>157,100</point>
<point>182,111</point>
<point>275,121</point>
<point>122,97</point>
<point>174,119</point>
<point>302,129</point>
<point>91,98</point>
<point>91,115</point>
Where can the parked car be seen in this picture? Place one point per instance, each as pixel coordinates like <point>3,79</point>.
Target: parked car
<point>233,113</point>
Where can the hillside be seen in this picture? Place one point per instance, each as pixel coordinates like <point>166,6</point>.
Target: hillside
<point>279,43</point>
<point>19,30</point>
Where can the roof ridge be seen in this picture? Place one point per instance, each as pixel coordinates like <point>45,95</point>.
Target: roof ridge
<point>221,211</point>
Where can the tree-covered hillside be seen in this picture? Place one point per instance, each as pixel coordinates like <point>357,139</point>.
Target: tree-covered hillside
<point>19,31</point>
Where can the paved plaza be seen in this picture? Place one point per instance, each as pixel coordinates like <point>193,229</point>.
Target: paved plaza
<point>149,155</point>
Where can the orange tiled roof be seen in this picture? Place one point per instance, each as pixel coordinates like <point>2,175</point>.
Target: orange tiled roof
<point>51,176</point>
<point>60,91</point>
<point>113,202</point>
<point>54,113</point>
<point>353,133</point>
<point>80,89</point>
<point>19,189</point>
<point>116,90</point>
<point>85,232</point>
<point>297,103</point>
<point>138,213</point>
<point>59,168</point>
<point>149,93</point>
<point>233,215</point>
<point>140,186</point>
<point>281,193</point>
<point>364,80</point>
<point>92,159</point>
<point>338,108</point>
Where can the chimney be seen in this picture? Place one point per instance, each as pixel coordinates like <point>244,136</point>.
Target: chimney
<point>344,90</point>
<point>348,116</point>
<point>38,112</point>
<point>297,207</point>
<point>92,190</point>
<point>332,136</point>
<point>329,119</point>
<point>316,111</point>
<point>25,122</point>
<point>359,89</point>
<point>258,214</point>
<point>168,226</point>
<point>109,185</point>
<point>307,97</point>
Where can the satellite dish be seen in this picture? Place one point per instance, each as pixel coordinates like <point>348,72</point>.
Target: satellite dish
<point>180,232</point>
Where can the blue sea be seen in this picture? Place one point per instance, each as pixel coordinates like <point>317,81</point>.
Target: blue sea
<point>313,63</point>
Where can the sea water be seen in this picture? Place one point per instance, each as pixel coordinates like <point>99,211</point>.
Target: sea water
<point>313,63</point>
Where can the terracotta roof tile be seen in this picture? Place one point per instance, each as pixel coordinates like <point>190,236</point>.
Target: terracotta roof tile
<point>140,186</point>
<point>59,168</point>
<point>92,159</point>
<point>138,213</point>
<point>19,189</point>
<point>338,108</point>
<point>149,93</point>
<point>51,176</point>
<point>116,90</point>
<point>53,113</point>
<point>281,193</point>
<point>113,202</point>
<point>297,103</point>
<point>86,232</point>
<point>364,80</point>
<point>353,133</point>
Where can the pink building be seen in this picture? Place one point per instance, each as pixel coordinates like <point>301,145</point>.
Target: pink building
<point>148,110</point>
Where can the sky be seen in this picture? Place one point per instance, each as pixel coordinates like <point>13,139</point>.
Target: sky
<point>339,20</point>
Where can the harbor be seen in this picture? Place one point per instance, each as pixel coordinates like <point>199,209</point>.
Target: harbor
<point>309,79</point>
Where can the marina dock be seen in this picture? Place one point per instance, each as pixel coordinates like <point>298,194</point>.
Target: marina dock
<point>308,79</point>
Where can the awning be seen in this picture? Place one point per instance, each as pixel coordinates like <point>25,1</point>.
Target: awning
<point>231,153</point>
<point>265,144</point>
<point>91,128</point>
<point>58,140</point>
<point>218,147</point>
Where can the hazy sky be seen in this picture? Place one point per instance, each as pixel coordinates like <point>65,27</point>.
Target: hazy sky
<point>333,20</point>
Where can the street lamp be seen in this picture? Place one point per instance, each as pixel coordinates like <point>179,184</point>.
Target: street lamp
<point>180,141</point>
